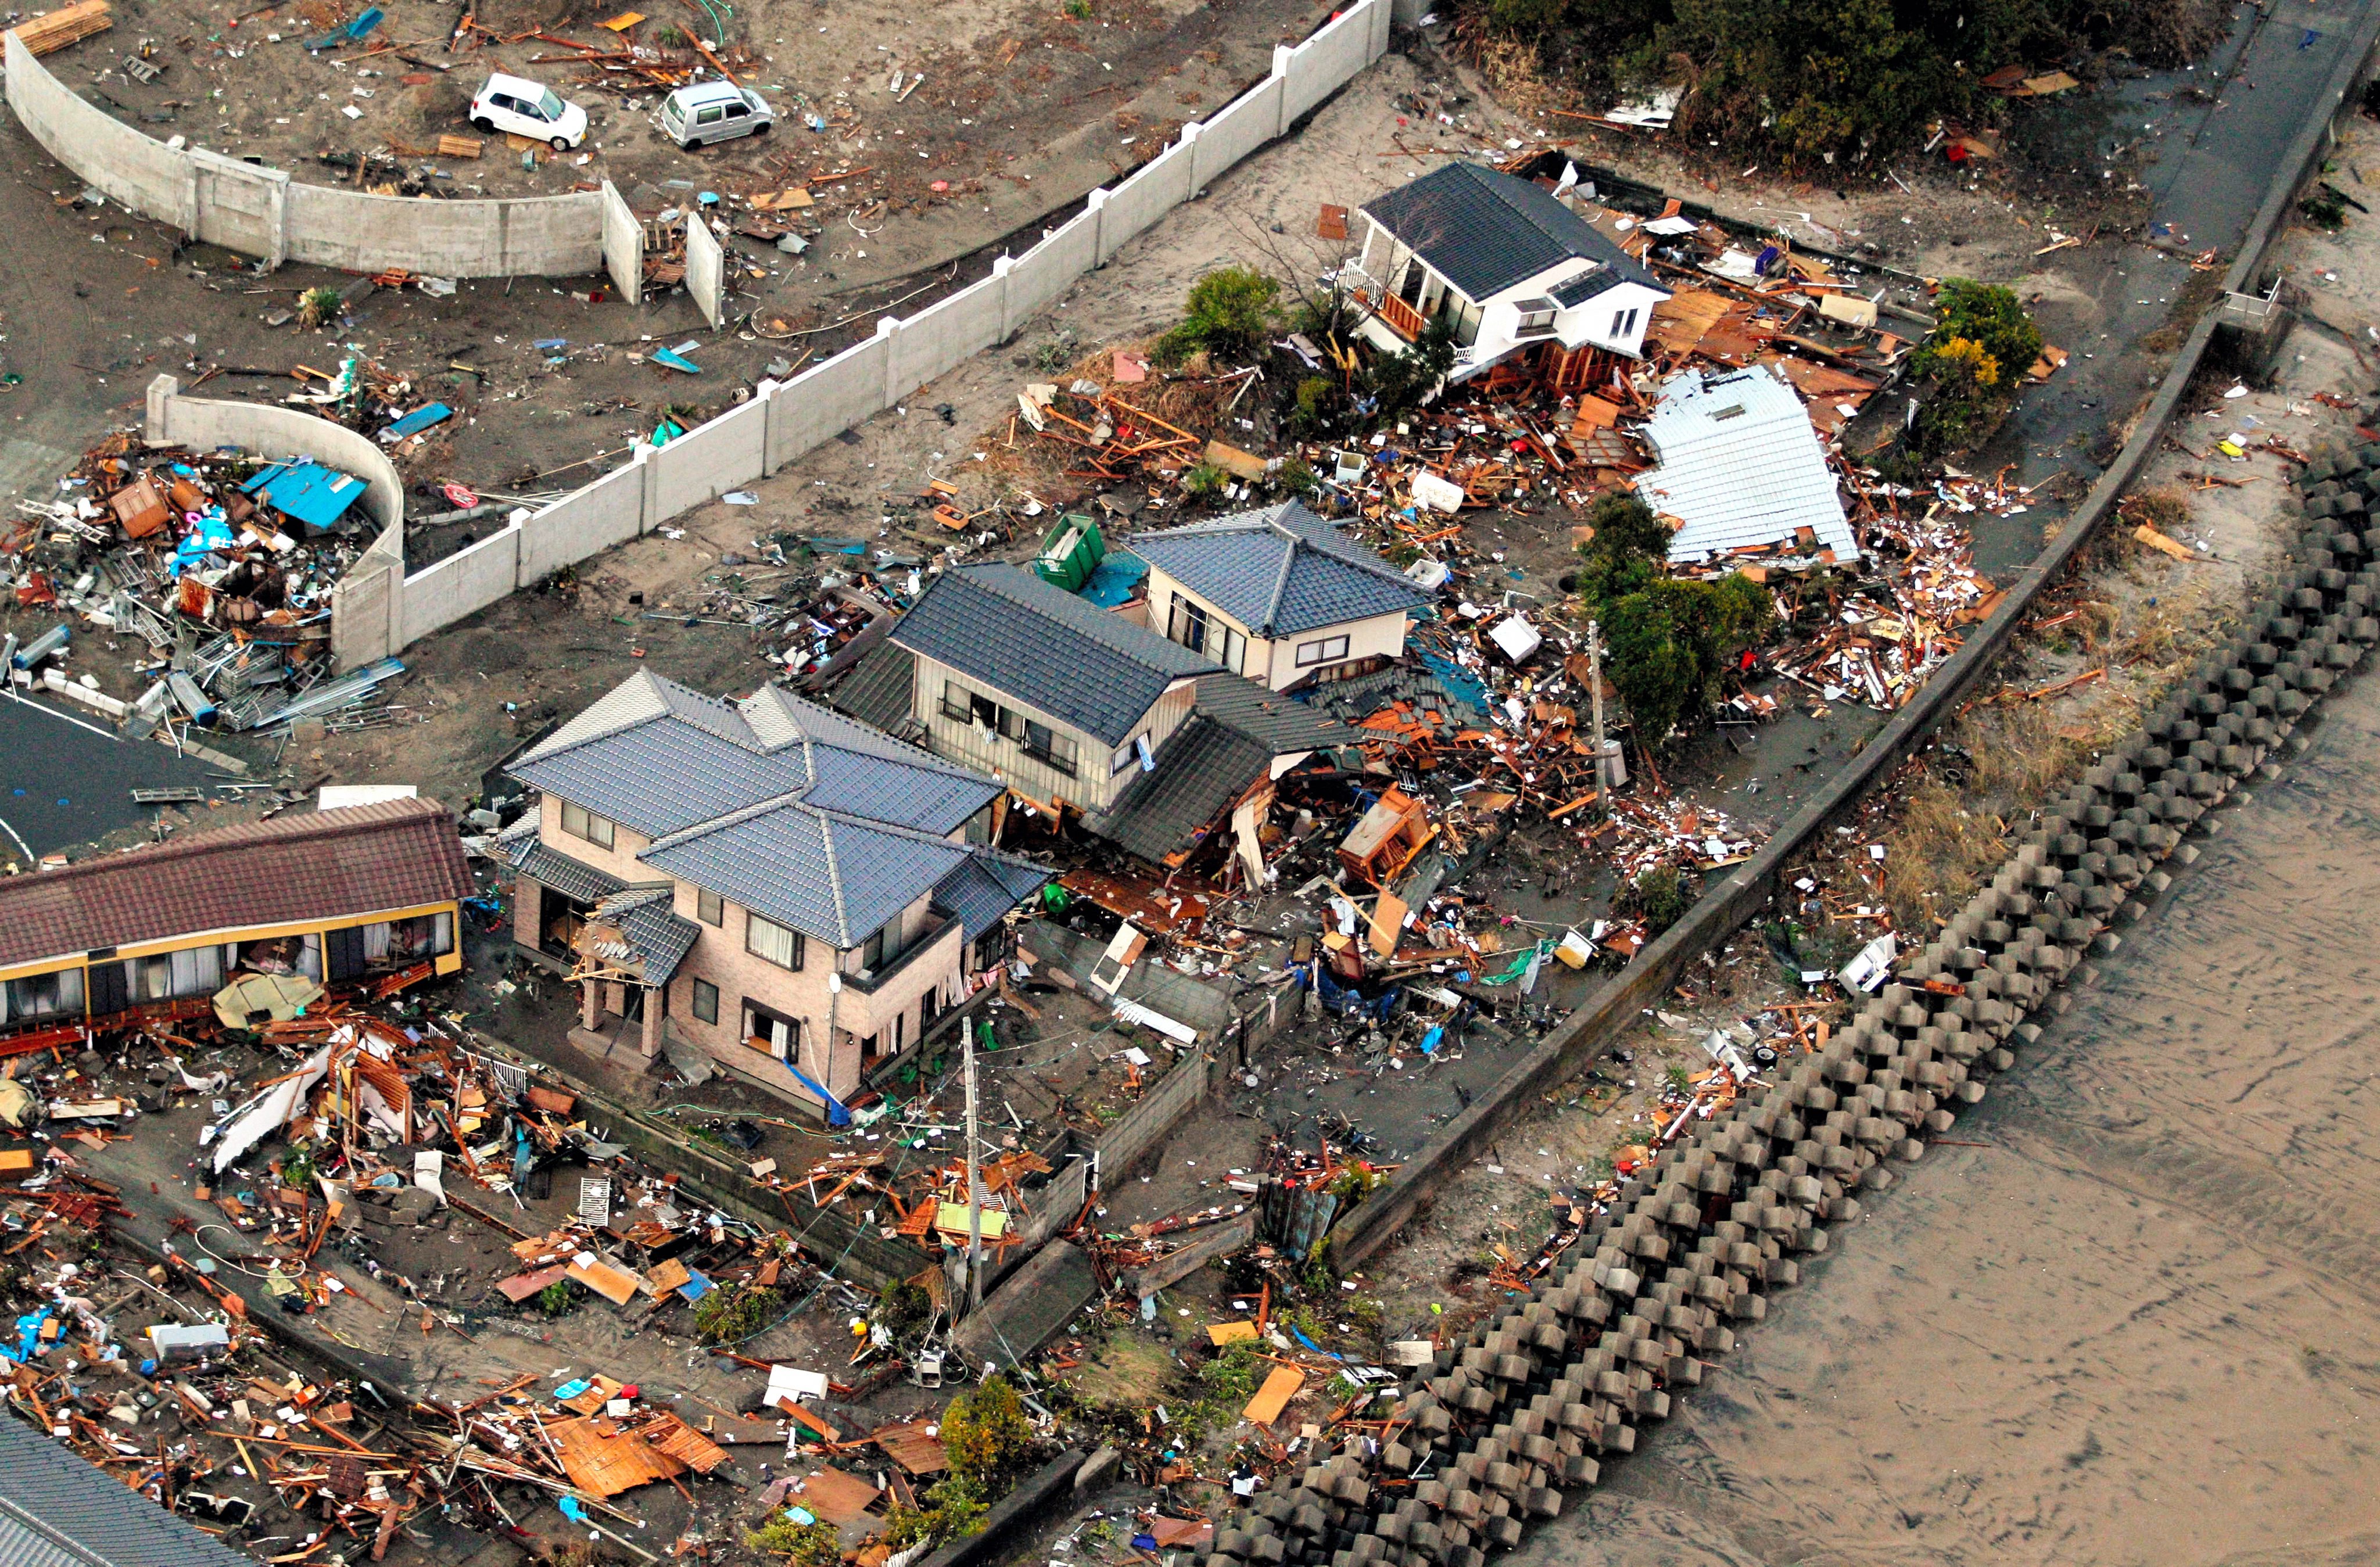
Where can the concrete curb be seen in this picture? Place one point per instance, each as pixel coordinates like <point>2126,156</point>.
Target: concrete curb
<point>1586,1032</point>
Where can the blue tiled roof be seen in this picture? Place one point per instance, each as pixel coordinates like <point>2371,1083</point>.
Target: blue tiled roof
<point>985,887</point>
<point>1004,628</point>
<point>1279,571</point>
<point>58,1511</point>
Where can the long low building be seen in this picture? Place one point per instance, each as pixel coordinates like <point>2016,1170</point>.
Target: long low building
<point>351,896</point>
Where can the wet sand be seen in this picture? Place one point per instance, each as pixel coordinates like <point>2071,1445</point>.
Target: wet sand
<point>2143,1324</point>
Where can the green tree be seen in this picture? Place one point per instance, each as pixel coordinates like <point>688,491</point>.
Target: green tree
<point>1970,366</point>
<point>1626,554</point>
<point>987,1436</point>
<point>1231,311</point>
<point>1403,380</point>
<point>815,1544</point>
<point>1988,315</point>
<point>1672,640</point>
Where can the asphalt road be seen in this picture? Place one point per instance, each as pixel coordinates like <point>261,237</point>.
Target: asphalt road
<point>65,781</point>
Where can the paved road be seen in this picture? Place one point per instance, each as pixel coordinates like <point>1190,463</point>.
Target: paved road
<point>63,781</point>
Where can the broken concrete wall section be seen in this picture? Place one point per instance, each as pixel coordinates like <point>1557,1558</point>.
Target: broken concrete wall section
<point>705,270</point>
<point>904,354</point>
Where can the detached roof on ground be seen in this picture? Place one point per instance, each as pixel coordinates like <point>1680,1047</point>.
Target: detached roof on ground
<point>1084,666</point>
<point>1279,571</point>
<point>1741,467</point>
<point>399,854</point>
<point>1485,231</point>
<point>787,808</point>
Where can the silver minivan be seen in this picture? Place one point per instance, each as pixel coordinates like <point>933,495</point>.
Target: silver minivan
<point>714,111</point>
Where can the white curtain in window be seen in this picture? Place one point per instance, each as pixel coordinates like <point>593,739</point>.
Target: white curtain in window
<point>376,942</point>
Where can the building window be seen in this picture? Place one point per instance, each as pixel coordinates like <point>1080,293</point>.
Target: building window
<point>580,822</point>
<point>706,1002</point>
<point>1622,322</point>
<point>774,1032</point>
<point>1324,650</point>
<point>43,995</point>
<point>880,948</point>
<point>966,707</point>
<point>1126,755</point>
<point>1233,655</point>
<point>1537,318</point>
<point>1053,749</point>
<point>979,827</point>
<point>708,907</point>
<point>1189,625</point>
<point>772,942</point>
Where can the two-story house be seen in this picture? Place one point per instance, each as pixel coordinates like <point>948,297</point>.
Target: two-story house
<point>1506,263</point>
<point>786,888</point>
<point>1278,595</point>
<point>1083,712</point>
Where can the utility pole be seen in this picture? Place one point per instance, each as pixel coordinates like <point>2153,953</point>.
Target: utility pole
<point>975,1179</point>
<point>1609,770</point>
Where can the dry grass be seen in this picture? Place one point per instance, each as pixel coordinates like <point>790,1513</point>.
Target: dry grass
<point>1954,833</point>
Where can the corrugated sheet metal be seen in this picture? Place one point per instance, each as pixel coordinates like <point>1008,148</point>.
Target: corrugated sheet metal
<point>1741,467</point>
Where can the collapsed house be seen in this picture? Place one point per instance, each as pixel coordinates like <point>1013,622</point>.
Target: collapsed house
<point>255,919</point>
<point>688,854</point>
<point>1085,714</point>
<point>1513,270</point>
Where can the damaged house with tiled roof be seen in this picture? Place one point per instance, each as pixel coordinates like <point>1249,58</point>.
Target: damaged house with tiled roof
<point>1088,715</point>
<point>1278,595</point>
<point>1509,268</point>
<point>764,884</point>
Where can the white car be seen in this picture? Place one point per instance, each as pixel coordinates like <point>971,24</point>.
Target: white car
<point>522,108</point>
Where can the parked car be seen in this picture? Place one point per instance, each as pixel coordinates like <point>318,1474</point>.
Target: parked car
<point>522,108</point>
<point>714,111</point>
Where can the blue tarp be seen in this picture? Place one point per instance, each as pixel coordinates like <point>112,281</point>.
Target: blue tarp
<point>836,1113</point>
<point>1113,580</point>
<point>307,492</point>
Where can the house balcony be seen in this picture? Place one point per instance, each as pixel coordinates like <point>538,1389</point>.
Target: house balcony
<point>888,977</point>
<point>1394,313</point>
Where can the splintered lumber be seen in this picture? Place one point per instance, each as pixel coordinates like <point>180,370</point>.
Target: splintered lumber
<point>48,34</point>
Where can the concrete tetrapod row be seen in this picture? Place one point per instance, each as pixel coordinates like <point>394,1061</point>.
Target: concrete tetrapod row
<point>1540,1391</point>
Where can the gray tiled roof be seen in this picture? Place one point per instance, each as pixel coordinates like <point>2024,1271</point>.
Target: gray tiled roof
<point>877,689</point>
<point>660,938</point>
<point>830,875</point>
<point>1279,571</point>
<point>551,867</point>
<point>1282,724</point>
<point>1740,466</point>
<point>784,805</point>
<point>1018,635</point>
<point>1574,292</point>
<point>659,757</point>
<point>1201,768</point>
<point>1484,231</point>
<point>984,886</point>
<point>58,1510</point>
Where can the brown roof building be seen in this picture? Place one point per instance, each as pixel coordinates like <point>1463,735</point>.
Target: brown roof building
<point>336,895</point>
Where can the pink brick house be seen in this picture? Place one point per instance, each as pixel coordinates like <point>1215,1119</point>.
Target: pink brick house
<point>791,893</point>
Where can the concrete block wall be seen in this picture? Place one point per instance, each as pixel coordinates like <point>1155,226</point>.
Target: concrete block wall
<point>585,522</point>
<point>140,173</point>
<point>784,422</point>
<point>1040,276</point>
<point>264,212</point>
<point>1162,184</point>
<point>1144,1125</point>
<point>364,604</point>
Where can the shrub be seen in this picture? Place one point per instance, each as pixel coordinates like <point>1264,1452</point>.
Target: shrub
<point>1627,553</point>
<point>1659,897</point>
<point>1401,382</point>
<point>904,1306</point>
<point>953,1508</point>
<point>554,1299</point>
<point>1986,315</point>
<point>1230,310</point>
<point>805,1544</point>
<point>1981,342</point>
<point>734,1313</point>
<point>1205,480</point>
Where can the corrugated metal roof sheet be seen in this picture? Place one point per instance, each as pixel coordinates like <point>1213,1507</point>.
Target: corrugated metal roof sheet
<point>1017,635</point>
<point>1484,231</point>
<point>1741,467</point>
<point>1279,571</point>
<point>58,1510</point>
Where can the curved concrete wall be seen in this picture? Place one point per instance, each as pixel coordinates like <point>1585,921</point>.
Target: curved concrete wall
<point>203,423</point>
<point>262,211</point>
